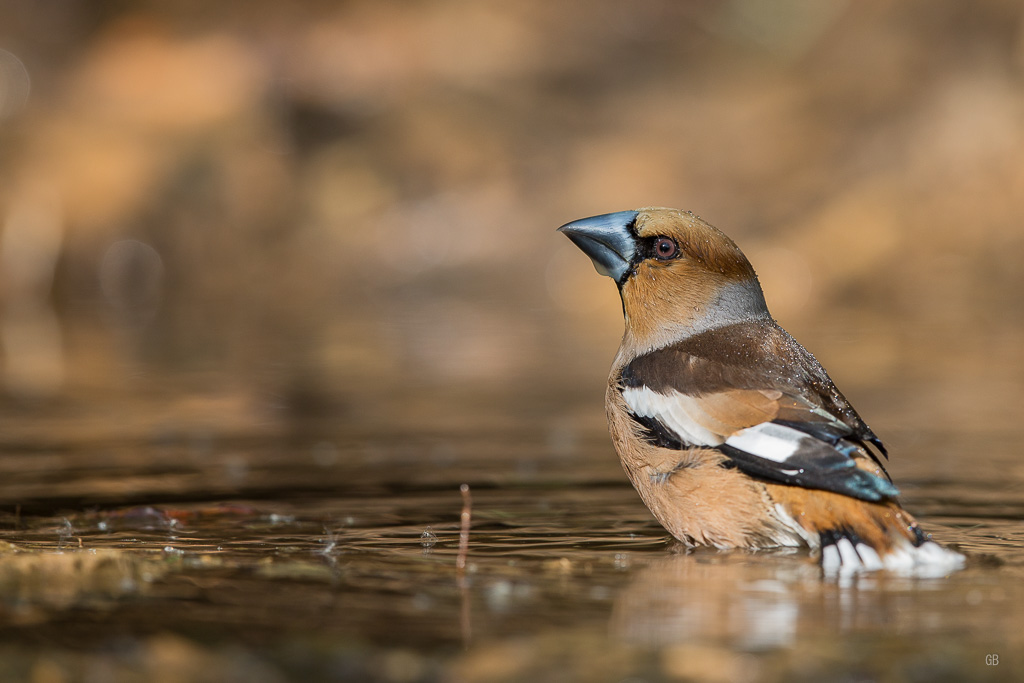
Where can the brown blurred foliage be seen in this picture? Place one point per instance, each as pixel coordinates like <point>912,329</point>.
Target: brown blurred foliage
<point>253,209</point>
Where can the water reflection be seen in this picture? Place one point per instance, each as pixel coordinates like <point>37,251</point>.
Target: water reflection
<point>770,601</point>
<point>745,600</point>
<point>39,586</point>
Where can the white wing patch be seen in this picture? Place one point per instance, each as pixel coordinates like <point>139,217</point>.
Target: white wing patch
<point>768,440</point>
<point>677,411</point>
<point>683,416</point>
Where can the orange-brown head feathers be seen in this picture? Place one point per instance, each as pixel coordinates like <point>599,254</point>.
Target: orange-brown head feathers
<point>704,246</point>
<point>677,274</point>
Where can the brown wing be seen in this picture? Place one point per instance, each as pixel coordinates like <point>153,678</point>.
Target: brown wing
<point>755,357</point>
<point>759,398</point>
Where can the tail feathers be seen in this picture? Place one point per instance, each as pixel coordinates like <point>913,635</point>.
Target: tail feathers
<point>859,536</point>
<point>843,553</point>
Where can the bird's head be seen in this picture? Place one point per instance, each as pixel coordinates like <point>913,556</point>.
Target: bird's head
<point>677,275</point>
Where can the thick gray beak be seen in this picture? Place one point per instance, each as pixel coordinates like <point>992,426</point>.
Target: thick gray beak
<point>607,240</point>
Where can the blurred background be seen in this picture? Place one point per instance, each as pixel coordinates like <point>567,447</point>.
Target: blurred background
<point>277,277</point>
<point>241,217</point>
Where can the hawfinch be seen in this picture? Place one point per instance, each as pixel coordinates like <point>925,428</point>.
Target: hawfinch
<point>732,433</point>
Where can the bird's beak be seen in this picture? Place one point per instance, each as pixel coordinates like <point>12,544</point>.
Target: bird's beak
<point>607,240</point>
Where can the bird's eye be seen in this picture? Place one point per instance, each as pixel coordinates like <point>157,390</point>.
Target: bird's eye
<point>665,248</point>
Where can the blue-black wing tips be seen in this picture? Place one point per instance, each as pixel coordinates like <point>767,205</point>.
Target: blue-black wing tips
<point>840,437</point>
<point>818,470</point>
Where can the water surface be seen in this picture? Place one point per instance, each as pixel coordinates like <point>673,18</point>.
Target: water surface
<point>334,556</point>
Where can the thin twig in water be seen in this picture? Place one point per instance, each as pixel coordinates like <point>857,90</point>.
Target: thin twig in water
<point>467,509</point>
<point>460,567</point>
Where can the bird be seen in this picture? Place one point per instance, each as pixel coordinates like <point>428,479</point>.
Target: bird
<point>732,433</point>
